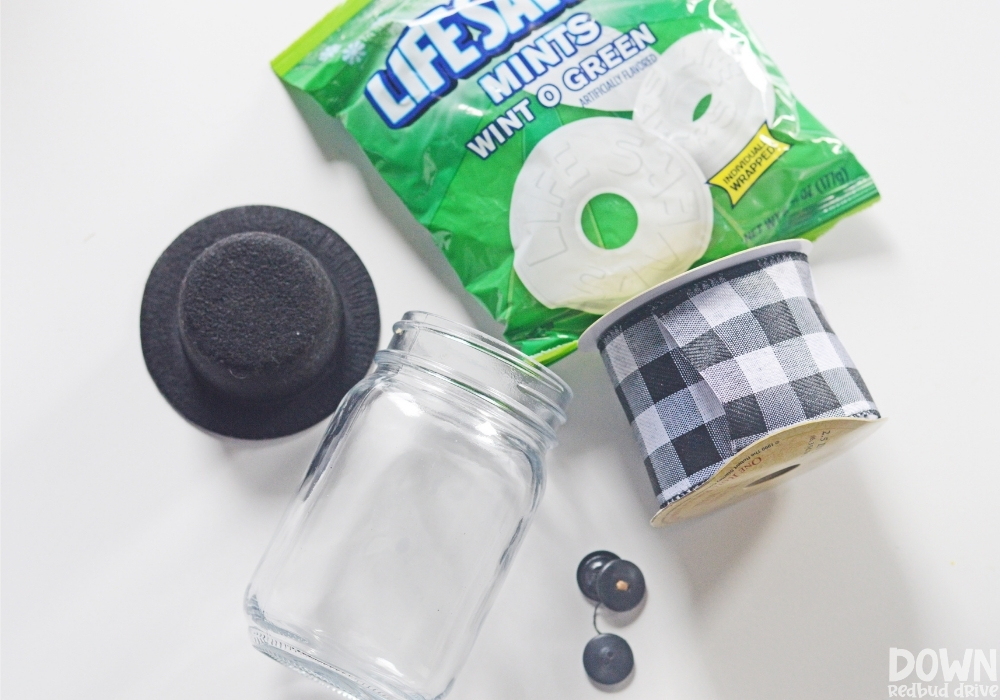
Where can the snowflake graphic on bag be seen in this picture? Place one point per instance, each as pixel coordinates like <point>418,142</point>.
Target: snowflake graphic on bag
<point>354,53</point>
<point>329,53</point>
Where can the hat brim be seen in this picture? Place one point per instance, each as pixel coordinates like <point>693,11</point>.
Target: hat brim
<point>205,407</point>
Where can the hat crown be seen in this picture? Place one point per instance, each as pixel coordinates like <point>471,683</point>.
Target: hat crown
<point>258,316</point>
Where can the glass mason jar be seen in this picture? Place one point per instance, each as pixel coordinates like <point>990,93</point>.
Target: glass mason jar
<point>383,568</point>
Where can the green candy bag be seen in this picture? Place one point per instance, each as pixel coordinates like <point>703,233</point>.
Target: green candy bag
<point>566,155</point>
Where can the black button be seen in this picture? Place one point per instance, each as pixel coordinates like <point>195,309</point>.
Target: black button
<point>620,585</point>
<point>607,659</point>
<point>588,571</point>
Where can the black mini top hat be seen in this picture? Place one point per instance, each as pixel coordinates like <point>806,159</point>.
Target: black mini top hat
<point>256,321</point>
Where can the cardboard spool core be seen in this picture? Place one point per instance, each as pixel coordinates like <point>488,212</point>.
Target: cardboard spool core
<point>769,462</point>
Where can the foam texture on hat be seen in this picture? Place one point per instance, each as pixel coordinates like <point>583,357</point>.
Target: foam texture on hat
<point>256,321</point>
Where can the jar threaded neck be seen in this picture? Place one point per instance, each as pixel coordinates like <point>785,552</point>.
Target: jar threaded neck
<point>481,364</point>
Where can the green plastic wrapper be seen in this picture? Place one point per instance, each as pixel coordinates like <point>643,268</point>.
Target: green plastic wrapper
<point>478,115</point>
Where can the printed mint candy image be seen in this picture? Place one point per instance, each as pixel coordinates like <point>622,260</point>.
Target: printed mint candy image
<point>722,76</point>
<point>592,157</point>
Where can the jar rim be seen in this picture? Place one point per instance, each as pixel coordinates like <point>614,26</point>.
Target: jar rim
<point>541,388</point>
<point>498,347</point>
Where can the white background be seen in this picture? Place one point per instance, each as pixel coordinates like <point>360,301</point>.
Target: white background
<point>128,535</point>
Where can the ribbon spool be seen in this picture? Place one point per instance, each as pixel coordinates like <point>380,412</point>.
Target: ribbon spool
<point>732,379</point>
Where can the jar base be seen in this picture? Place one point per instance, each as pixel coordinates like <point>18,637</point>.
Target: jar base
<point>337,680</point>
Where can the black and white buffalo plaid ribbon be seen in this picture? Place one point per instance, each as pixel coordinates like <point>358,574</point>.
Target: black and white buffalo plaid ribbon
<point>709,368</point>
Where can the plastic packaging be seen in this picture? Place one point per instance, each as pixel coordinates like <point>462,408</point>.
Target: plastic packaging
<point>457,104</point>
